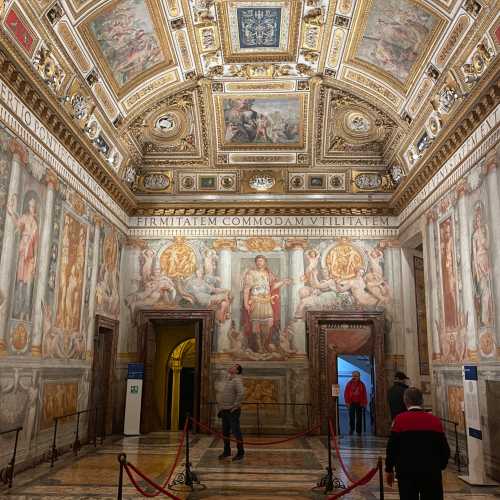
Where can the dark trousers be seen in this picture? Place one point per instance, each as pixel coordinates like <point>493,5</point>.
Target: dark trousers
<point>421,487</point>
<point>355,415</point>
<point>231,425</point>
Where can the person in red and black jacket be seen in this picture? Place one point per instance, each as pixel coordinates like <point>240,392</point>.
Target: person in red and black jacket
<point>355,398</point>
<point>418,450</point>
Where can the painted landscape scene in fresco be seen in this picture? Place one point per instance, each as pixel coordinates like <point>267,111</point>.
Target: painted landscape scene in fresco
<point>262,120</point>
<point>126,36</point>
<point>395,36</point>
<point>260,300</point>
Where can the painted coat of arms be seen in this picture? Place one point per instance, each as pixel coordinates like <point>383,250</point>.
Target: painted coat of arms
<point>259,27</point>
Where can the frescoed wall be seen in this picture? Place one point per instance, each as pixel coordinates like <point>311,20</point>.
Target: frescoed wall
<point>463,287</point>
<point>464,316</point>
<point>259,288</point>
<point>57,269</point>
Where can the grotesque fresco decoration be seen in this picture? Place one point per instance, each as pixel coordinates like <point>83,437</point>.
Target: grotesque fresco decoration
<point>27,227</point>
<point>465,329</point>
<point>423,348</point>
<point>107,290</point>
<point>262,120</point>
<point>126,36</point>
<point>481,268</point>
<point>395,36</point>
<point>71,273</point>
<point>259,295</point>
<point>5,137</point>
<point>448,274</point>
<point>64,318</point>
<point>58,399</point>
<point>19,394</point>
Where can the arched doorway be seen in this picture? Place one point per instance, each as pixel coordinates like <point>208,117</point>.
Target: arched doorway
<point>179,399</point>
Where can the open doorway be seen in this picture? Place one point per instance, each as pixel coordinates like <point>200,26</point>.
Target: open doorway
<point>346,364</point>
<point>175,347</point>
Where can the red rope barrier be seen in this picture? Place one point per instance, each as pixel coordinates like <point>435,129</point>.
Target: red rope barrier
<point>143,492</point>
<point>253,443</point>
<point>174,465</point>
<point>364,480</point>
<point>337,452</point>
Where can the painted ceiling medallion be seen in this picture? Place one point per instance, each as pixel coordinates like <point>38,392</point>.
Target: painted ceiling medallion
<point>165,122</point>
<point>262,182</point>
<point>358,123</point>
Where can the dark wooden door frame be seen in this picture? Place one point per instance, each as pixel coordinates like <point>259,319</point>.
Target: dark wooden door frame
<point>146,349</point>
<point>317,330</point>
<point>113,326</point>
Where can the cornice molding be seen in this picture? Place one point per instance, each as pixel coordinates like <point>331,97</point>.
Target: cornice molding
<point>263,208</point>
<point>29,87</point>
<point>484,99</point>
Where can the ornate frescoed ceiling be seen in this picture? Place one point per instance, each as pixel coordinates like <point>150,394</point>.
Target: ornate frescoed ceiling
<point>250,101</point>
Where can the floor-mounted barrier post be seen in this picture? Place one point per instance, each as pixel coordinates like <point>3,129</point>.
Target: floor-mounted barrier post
<point>77,445</point>
<point>53,455</point>
<point>122,460</point>
<point>327,480</point>
<point>381,477</point>
<point>7,474</point>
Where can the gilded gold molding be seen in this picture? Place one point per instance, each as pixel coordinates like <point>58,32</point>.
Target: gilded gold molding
<point>360,23</point>
<point>155,12</point>
<point>230,55</point>
<point>28,86</point>
<point>485,97</point>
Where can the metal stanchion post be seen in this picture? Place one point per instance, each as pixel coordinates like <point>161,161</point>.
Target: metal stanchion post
<point>95,428</point>
<point>381,478</point>
<point>122,459</point>
<point>457,450</point>
<point>53,456</point>
<point>188,477</point>
<point>329,481</point>
<point>76,444</point>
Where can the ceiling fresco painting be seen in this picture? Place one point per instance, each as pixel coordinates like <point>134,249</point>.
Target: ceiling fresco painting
<point>262,121</point>
<point>296,101</point>
<point>397,33</point>
<point>127,41</point>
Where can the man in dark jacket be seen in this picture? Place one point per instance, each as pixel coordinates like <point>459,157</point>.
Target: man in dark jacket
<point>418,450</point>
<point>395,394</point>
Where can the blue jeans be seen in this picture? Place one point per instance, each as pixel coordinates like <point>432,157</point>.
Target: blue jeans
<point>231,425</point>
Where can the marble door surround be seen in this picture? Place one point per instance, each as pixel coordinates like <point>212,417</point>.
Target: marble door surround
<point>146,349</point>
<point>322,326</point>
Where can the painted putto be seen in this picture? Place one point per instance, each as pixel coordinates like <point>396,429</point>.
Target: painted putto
<point>259,293</point>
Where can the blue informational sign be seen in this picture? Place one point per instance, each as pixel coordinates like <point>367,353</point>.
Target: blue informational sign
<point>470,372</point>
<point>135,371</point>
<point>475,433</point>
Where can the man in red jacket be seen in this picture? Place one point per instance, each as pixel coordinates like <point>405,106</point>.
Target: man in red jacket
<point>418,450</point>
<point>355,399</point>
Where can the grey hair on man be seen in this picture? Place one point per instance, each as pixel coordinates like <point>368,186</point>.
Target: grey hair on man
<point>413,397</point>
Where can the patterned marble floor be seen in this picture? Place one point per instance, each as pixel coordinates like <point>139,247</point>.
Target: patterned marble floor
<point>283,471</point>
